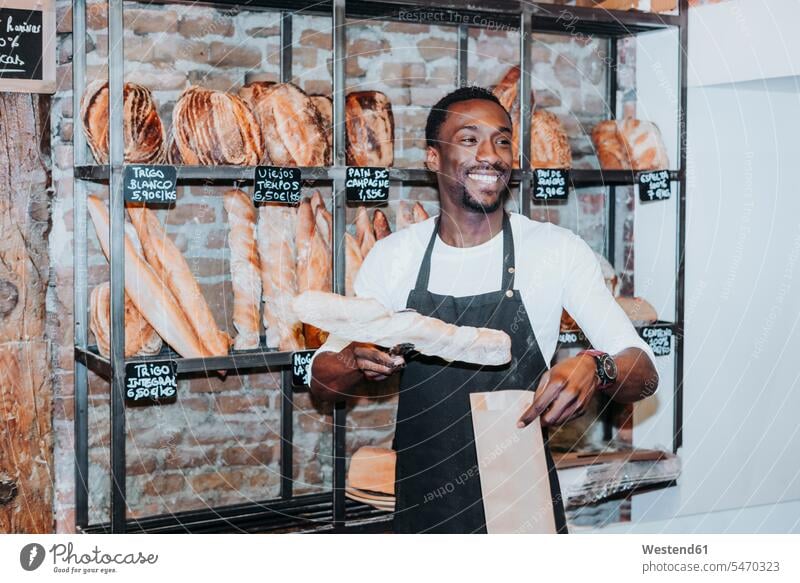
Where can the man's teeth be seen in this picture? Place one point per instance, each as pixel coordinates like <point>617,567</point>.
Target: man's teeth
<point>485,178</point>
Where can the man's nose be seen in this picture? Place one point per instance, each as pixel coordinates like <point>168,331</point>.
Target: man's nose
<point>487,152</point>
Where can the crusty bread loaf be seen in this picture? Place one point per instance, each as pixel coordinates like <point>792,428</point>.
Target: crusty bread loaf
<point>168,262</point>
<point>403,215</point>
<point>149,294</point>
<point>214,127</point>
<point>419,213</point>
<point>381,224</point>
<point>352,262</point>
<point>370,129</point>
<point>324,106</point>
<point>291,125</point>
<point>365,235</point>
<point>143,133</point>
<point>629,144</point>
<point>276,246</point>
<point>611,151</point>
<point>245,269</point>
<point>140,337</point>
<point>366,320</point>
<point>507,91</point>
<point>549,143</point>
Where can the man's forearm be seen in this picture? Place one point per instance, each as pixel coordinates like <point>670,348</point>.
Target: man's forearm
<point>335,374</point>
<point>637,378</point>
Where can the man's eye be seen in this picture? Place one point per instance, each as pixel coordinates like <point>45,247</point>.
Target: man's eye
<point>468,140</point>
<point>504,141</point>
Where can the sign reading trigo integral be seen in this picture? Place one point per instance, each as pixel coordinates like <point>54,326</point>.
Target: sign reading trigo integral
<point>659,339</point>
<point>27,46</point>
<point>550,183</point>
<point>367,184</point>
<point>150,184</point>
<point>151,383</point>
<point>301,368</point>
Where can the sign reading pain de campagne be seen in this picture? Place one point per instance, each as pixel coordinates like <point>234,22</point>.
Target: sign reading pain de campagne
<point>65,558</point>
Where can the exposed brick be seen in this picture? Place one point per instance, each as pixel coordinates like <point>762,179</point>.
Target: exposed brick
<point>199,26</point>
<point>143,21</point>
<point>213,384</point>
<point>97,16</point>
<point>592,203</point>
<point>194,457</point>
<point>353,67</point>
<point>566,72</point>
<point>305,57</point>
<point>406,27</point>
<point>64,18</point>
<point>64,77</point>
<point>164,484</point>
<point>402,74</point>
<point>432,48</point>
<point>209,267</point>
<point>140,462</point>
<point>367,47</point>
<point>379,418</point>
<point>260,454</point>
<point>263,31</point>
<point>231,404</point>
<point>218,481</point>
<point>182,214</point>
<point>545,98</point>
<point>317,39</point>
<point>229,55</point>
<point>217,239</point>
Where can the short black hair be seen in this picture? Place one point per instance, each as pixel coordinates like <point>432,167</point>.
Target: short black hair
<point>438,112</point>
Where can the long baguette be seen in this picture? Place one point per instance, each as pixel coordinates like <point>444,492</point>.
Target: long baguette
<point>245,266</point>
<point>169,263</point>
<point>366,320</point>
<point>148,293</point>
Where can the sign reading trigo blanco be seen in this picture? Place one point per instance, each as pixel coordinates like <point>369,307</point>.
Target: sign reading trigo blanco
<point>150,184</point>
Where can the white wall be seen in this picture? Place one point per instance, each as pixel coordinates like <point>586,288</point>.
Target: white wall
<point>741,453</point>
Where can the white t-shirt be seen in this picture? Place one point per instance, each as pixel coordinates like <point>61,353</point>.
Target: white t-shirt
<point>554,268</point>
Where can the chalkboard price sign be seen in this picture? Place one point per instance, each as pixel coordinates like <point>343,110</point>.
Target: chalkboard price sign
<point>301,368</point>
<point>151,383</point>
<point>551,183</point>
<point>276,184</point>
<point>573,337</point>
<point>659,339</point>
<point>367,184</point>
<point>654,185</point>
<point>150,184</point>
<point>21,35</point>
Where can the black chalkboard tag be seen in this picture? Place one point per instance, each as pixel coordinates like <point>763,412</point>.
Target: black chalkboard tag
<point>301,368</point>
<point>154,184</point>
<point>276,184</point>
<point>367,184</point>
<point>572,337</point>
<point>654,185</point>
<point>21,35</point>
<point>151,383</point>
<point>551,183</point>
<point>659,338</point>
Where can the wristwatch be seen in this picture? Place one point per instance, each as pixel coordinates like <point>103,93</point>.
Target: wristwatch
<point>606,367</point>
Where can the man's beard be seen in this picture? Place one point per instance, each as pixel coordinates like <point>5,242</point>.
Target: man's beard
<point>474,205</point>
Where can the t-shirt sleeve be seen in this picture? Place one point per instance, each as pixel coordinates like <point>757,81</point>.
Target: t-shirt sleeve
<point>588,300</point>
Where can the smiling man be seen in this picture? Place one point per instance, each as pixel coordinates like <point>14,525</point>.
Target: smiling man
<point>477,265</point>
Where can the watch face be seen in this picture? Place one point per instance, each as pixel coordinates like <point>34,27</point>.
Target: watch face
<point>610,368</point>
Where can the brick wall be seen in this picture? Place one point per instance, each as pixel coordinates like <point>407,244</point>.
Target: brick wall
<point>219,443</point>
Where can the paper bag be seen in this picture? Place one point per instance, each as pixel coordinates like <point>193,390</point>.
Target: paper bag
<point>512,464</point>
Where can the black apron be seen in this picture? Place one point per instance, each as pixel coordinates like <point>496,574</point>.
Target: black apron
<point>436,478</point>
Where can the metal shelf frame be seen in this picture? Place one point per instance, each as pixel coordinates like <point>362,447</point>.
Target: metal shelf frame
<point>330,511</point>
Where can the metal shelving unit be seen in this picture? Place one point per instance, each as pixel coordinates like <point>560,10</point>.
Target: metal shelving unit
<point>328,511</point>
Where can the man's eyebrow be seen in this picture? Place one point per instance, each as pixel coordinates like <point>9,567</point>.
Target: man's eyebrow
<point>504,129</point>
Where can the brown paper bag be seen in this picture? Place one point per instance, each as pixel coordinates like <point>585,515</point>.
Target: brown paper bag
<point>512,465</point>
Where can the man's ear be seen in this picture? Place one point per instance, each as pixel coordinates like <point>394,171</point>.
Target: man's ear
<point>432,161</point>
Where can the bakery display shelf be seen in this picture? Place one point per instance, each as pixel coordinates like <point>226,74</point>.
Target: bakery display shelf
<point>577,339</point>
<point>329,511</point>
<point>237,360</point>
<point>499,14</point>
<point>245,174</point>
<point>308,512</point>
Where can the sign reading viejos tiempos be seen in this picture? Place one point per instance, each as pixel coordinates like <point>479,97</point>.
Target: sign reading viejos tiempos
<point>27,46</point>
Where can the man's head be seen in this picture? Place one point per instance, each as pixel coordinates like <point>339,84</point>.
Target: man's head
<point>468,136</point>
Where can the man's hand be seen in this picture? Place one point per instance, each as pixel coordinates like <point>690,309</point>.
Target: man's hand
<point>376,364</point>
<point>564,392</point>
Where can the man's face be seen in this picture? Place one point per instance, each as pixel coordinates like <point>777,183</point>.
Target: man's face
<point>473,156</point>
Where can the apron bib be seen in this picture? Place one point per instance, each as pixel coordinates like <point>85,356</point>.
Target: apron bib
<point>437,485</point>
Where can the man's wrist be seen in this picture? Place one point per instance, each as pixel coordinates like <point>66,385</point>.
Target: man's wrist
<point>605,368</point>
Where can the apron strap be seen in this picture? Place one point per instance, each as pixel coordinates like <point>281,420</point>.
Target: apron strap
<point>509,265</point>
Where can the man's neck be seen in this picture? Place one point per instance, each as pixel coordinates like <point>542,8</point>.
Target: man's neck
<point>459,227</point>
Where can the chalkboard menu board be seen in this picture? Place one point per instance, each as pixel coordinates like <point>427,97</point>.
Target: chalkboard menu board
<point>150,184</point>
<point>367,184</point>
<point>550,183</point>
<point>659,339</point>
<point>276,184</point>
<point>654,185</point>
<point>151,383</point>
<point>27,46</point>
<point>301,368</point>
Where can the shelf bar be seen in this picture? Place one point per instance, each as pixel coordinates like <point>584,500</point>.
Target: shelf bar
<point>339,223</point>
<point>287,434</point>
<point>286,47</point>
<point>116,236</point>
<point>81,273</point>
<point>525,108</point>
<point>463,56</point>
<point>680,280</point>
